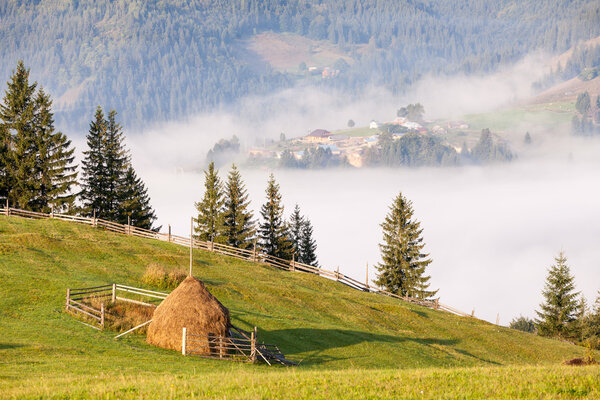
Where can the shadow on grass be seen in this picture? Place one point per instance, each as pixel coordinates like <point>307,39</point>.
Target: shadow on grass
<point>4,346</point>
<point>317,341</point>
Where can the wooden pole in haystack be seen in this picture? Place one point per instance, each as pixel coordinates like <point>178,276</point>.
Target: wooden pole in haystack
<point>367,277</point>
<point>191,243</point>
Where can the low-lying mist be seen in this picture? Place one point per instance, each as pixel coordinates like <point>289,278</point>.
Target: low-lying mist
<point>492,231</point>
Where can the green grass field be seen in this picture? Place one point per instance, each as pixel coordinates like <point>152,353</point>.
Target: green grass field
<point>349,344</point>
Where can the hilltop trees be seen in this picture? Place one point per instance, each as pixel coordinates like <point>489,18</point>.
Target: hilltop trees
<point>110,187</point>
<point>210,210</point>
<point>402,270</point>
<point>559,310</point>
<point>273,230</point>
<point>583,103</point>
<point>135,203</point>
<point>238,226</point>
<point>37,161</point>
<point>304,246</point>
<point>486,151</point>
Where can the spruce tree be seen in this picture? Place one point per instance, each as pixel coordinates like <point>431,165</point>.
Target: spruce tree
<point>238,226</point>
<point>54,169</point>
<point>17,114</point>
<point>295,226</point>
<point>273,230</point>
<point>94,178</point>
<point>559,310</point>
<point>210,210</point>
<point>308,246</point>
<point>116,163</point>
<point>135,205</point>
<point>402,270</point>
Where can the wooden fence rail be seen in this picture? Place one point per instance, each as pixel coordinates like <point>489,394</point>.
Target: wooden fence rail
<point>248,255</point>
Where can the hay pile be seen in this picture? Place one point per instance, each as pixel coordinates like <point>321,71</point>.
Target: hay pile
<point>191,306</point>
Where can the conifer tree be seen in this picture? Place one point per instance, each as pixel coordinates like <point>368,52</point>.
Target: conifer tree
<point>238,226</point>
<point>94,179</point>
<point>135,205</point>
<point>116,163</point>
<point>54,167</point>
<point>559,310</point>
<point>296,225</point>
<point>17,114</point>
<point>273,230</point>
<point>402,270</point>
<point>210,210</point>
<point>308,246</point>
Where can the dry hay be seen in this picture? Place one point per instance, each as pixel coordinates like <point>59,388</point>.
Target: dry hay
<point>191,306</point>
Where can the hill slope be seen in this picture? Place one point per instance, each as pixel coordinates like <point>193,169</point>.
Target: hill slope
<point>319,322</point>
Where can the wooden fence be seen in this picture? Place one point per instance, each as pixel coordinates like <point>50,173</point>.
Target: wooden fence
<point>77,298</point>
<point>238,346</point>
<point>254,255</point>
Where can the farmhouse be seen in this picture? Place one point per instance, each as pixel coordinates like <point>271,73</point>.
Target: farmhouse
<point>373,124</point>
<point>318,136</point>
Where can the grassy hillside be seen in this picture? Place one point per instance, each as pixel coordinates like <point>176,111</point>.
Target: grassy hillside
<point>335,332</point>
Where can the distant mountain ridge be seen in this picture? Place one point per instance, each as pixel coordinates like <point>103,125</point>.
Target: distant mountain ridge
<point>162,60</point>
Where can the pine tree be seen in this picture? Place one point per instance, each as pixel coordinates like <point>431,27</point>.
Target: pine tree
<point>135,205</point>
<point>94,177</point>
<point>116,162</point>
<point>296,224</point>
<point>560,307</point>
<point>54,169</point>
<point>210,214</point>
<point>17,114</point>
<point>402,270</point>
<point>308,246</point>
<point>238,226</point>
<point>527,139</point>
<point>273,231</point>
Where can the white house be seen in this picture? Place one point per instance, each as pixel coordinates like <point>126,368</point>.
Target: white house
<point>374,124</point>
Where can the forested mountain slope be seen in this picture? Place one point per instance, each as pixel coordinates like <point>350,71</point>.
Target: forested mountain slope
<point>157,60</point>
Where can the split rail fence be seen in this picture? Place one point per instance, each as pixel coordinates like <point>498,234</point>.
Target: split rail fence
<point>77,299</point>
<point>253,255</point>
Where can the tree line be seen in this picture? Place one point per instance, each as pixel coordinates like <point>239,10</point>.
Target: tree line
<point>156,50</point>
<point>586,122</point>
<point>564,313</point>
<point>37,169</point>
<point>224,216</point>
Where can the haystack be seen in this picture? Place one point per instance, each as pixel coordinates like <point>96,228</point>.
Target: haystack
<point>191,306</point>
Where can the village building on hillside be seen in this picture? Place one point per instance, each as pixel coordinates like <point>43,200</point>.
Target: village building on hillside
<point>457,125</point>
<point>318,136</point>
<point>411,125</point>
<point>338,138</point>
<point>374,124</point>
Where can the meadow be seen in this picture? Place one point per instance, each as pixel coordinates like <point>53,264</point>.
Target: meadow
<point>349,344</point>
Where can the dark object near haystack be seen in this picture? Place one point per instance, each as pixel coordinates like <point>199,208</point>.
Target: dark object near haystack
<point>580,361</point>
<point>190,305</point>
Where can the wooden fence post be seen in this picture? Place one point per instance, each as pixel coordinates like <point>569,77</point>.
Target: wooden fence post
<point>253,346</point>
<point>114,292</point>
<point>183,341</point>
<point>293,260</point>
<point>473,312</point>
<point>498,319</point>
<point>68,299</point>
<point>52,213</point>
<point>102,315</point>
<point>254,252</point>
<point>169,233</point>
<point>129,225</point>
<point>337,273</point>
<point>367,278</point>
<point>94,218</point>
<point>7,208</point>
